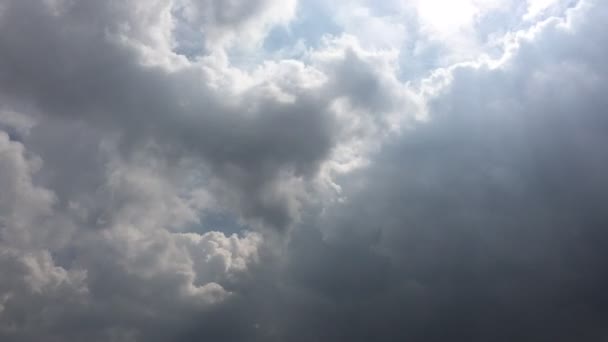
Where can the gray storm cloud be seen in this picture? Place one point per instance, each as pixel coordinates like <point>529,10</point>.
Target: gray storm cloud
<point>152,189</point>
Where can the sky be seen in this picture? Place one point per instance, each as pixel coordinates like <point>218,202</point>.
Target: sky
<point>303,170</point>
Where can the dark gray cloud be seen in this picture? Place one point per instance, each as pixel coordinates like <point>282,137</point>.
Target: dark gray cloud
<point>70,65</point>
<point>483,222</point>
<point>487,222</point>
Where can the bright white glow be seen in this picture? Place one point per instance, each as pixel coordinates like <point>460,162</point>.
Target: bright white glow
<point>537,7</point>
<point>445,16</point>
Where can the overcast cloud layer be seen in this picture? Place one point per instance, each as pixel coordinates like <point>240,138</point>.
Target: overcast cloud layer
<point>271,170</point>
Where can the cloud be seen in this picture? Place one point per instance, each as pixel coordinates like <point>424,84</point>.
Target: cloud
<point>152,188</point>
<point>483,222</point>
<point>247,130</point>
<point>62,281</point>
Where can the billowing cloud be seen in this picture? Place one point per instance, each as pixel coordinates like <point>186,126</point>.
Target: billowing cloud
<point>443,182</point>
<point>57,270</point>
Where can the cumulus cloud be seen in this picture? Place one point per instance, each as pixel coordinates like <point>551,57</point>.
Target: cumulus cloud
<point>445,182</point>
<point>58,274</point>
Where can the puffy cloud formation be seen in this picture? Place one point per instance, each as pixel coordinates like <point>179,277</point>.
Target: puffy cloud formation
<point>445,181</point>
